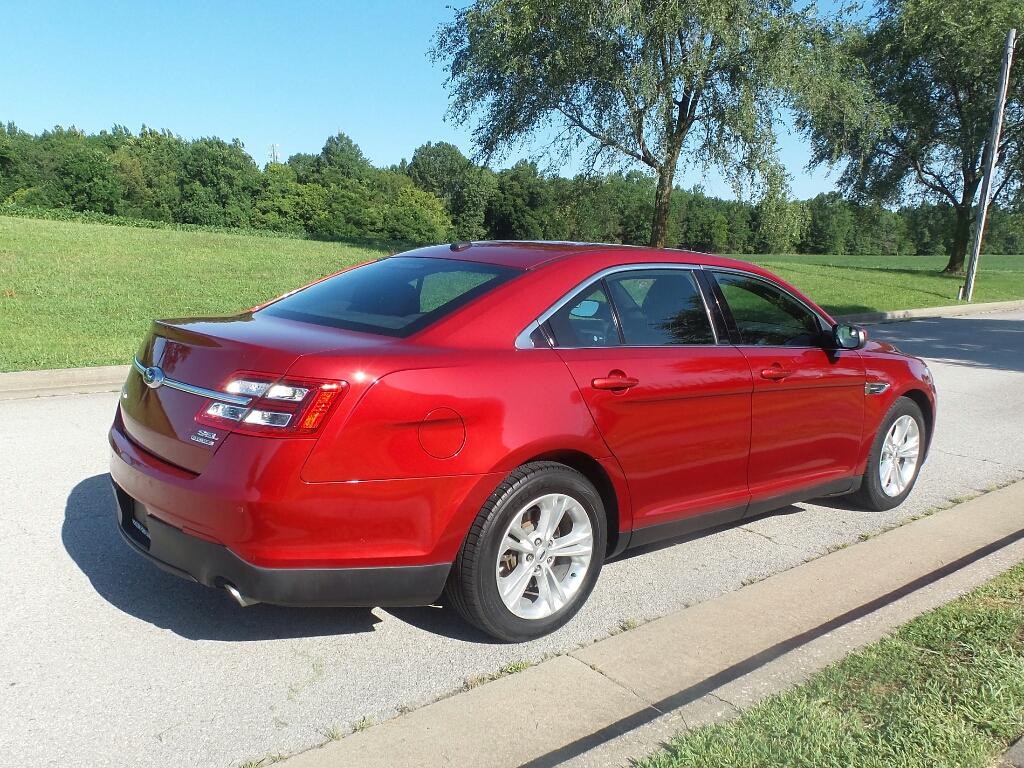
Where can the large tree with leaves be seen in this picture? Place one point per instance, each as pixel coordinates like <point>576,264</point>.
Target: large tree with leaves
<point>660,83</point>
<point>935,65</point>
<point>465,188</point>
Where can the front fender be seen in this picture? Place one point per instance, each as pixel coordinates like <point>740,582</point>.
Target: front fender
<point>906,376</point>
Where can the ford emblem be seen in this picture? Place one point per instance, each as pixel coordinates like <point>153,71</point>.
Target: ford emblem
<point>153,377</point>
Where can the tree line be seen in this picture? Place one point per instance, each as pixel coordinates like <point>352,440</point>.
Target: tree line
<point>898,96</point>
<point>440,195</point>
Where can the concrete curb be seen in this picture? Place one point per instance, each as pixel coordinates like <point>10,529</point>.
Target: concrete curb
<point>628,681</point>
<point>898,315</point>
<point>1014,757</point>
<point>61,381</point>
<point>109,378</point>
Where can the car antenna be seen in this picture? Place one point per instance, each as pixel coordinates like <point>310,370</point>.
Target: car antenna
<point>461,245</point>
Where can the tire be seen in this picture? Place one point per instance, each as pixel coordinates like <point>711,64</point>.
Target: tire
<point>876,495</point>
<point>531,495</point>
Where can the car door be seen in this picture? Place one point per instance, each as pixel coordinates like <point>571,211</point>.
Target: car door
<point>672,403</point>
<point>808,398</point>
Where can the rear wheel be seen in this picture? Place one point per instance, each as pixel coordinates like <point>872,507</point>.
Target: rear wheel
<point>895,458</point>
<point>533,554</point>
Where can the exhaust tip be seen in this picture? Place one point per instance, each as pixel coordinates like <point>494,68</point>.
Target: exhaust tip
<point>241,599</point>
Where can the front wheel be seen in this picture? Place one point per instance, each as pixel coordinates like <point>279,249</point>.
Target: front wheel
<point>895,458</point>
<point>533,554</point>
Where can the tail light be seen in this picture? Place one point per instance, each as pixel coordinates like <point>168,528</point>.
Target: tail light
<point>277,407</point>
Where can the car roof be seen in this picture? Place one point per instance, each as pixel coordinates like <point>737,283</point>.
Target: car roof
<point>527,255</point>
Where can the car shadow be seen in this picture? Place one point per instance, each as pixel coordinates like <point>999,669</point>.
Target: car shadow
<point>140,589</point>
<point>989,343</point>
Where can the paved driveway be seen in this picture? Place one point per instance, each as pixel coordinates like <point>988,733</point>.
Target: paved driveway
<point>107,661</point>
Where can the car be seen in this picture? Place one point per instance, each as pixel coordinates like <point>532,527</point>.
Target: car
<point>492,421</point>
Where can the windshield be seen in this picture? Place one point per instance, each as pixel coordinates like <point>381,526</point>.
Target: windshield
<point>396,296</point>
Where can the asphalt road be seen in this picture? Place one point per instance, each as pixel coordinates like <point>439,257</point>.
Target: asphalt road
<point>107,661</point>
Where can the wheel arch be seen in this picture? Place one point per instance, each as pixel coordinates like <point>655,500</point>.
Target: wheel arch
<point>610,491</point>
<point>921,399</point>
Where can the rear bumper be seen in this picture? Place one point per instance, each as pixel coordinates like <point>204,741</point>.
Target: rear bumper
<point>214,565</point>
<point>251,501</point>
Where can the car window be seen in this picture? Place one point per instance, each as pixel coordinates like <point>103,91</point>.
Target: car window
<point>586,320</point>
<point>439,288</point>
<point>396,296</point>
<point>660,307</point>
<point>767,316</point>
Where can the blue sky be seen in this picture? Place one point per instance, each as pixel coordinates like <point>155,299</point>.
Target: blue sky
<point>285,73</point>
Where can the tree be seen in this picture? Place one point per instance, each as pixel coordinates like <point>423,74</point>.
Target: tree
<point>465,188</point>
<point>87,181</point>
<point>349,210</point>
<point>415,216</point>
<point>930,227</point>
<point>341,158</point>
<point>828,230</point>
<point>303,164</point>
<point>654,82</point>
<point>218,183</point>
<point>1006,231</point>
<point>278,203</point>
<point>636,206</point>
<point>150,167</point>
<point>592,209</point>
<point>8,158</point>
<point>740,234</point>
<point>781,224</point>
<point>935,65</point>
<point>521,204</point>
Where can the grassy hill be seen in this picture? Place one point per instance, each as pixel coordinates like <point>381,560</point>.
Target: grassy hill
<point>74,293</point>
<point>850,284</point>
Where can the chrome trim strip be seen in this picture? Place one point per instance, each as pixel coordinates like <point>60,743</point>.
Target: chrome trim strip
<point>523,339</point>
<point>875,387</point>
<point>213,394</point>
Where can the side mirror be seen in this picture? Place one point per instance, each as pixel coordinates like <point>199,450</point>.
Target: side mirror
<point>848,336</point>
<point>586,308</point>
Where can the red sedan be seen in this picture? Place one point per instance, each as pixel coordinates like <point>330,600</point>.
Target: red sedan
<point>494,421</point>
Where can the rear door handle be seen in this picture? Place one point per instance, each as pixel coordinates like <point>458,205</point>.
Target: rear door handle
<point>615,380</point>
<point>775,373</point>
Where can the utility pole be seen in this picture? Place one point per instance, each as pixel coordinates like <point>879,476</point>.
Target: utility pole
<point>992,159</point>
<point>274,158</point>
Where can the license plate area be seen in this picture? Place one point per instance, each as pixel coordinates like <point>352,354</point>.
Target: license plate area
<point>133,518</point>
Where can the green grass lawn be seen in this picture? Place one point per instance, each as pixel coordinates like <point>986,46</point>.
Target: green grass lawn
<point>74,293</point>
<point>946,690</point>
<point>851,284</point>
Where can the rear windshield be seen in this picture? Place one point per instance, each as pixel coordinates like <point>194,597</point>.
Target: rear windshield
<point>396,296</point>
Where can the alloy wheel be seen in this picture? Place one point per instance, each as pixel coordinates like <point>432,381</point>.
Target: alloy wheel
<point>544,556</point>
<point>898,460</point>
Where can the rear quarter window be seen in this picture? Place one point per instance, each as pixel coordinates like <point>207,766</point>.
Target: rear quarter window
<point>395,297</point>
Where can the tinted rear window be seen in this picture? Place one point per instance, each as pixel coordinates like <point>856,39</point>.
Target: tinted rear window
<point>396,296</point>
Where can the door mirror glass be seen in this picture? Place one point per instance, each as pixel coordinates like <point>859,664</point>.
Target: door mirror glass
<point>849,336</point>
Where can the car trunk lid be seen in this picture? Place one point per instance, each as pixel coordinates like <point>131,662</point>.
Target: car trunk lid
<point>190,360</point>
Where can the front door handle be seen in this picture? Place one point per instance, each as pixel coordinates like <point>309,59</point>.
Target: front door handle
<point>615,380</point>
<point>775,373</point>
